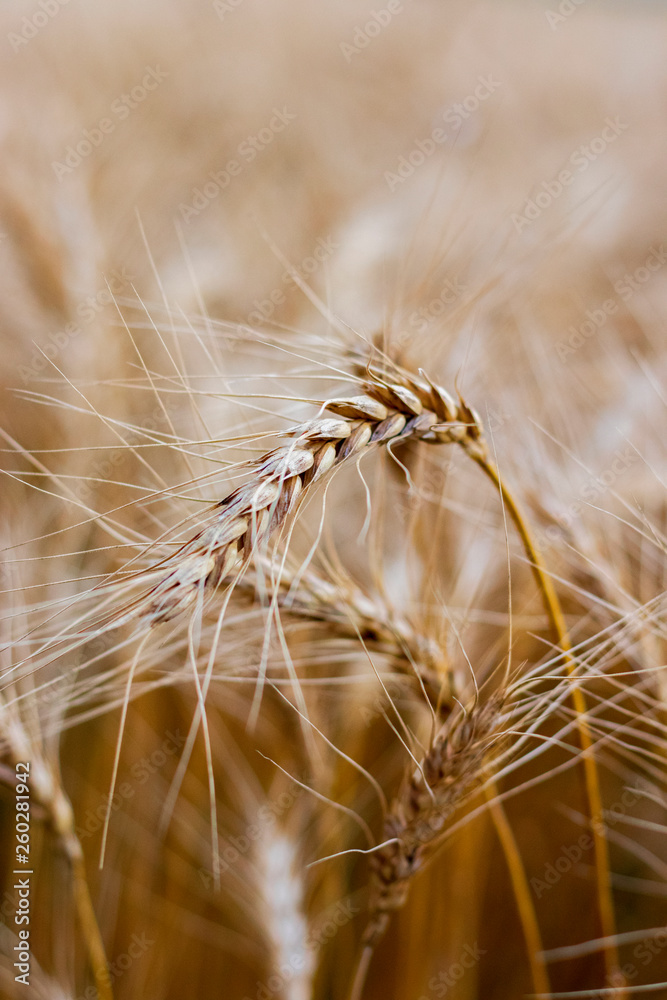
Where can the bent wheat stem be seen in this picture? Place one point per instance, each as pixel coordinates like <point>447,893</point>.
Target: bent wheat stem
<point>478,453</point>
<point>394,406</point>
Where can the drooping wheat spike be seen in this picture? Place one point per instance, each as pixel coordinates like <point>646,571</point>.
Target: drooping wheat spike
<point>353,612</point>
<point>417,818</point>
<point>393,406</point>
<point>391,409</point>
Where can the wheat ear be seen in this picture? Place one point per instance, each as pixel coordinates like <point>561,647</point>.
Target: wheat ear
<point>354,613</point>
<point>451,768</point>
<point>416,820</point>
<point>389,411</point>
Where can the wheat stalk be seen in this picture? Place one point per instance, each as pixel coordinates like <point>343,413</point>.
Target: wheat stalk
<point>394,406</point>
<point>46,789</point>
<point>480,455</point>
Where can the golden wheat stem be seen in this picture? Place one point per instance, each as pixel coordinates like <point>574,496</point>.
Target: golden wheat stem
<point>522,894</point>
<point>62,819</point>
<point>48,791</point>
<point>90,928</point>
<point>593,791</point>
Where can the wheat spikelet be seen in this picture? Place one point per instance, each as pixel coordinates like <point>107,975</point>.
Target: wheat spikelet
<point>452,768</point>
<point>386,413</point>
<point>355,613</point>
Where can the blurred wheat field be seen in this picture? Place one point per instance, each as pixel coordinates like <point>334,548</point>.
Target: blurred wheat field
<point>333,529</point>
